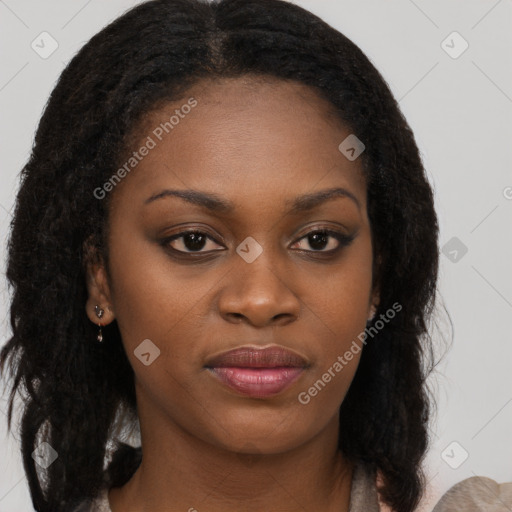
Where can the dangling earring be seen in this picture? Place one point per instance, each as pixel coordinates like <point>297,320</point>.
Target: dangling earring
<point>99,313</point>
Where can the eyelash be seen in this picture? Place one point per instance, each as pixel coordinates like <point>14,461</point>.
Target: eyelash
<point>343,241</point>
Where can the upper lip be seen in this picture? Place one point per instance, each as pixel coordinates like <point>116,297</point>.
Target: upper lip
<point>256,357</point>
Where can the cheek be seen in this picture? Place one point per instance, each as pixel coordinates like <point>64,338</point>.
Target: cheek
<point>339,308</point>
<point>340,302</point>
<point>160,301</point>
<point>149,297</point>
<point>326,389</point>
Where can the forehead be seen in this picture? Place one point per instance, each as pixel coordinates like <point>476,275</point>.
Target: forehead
<point>244,136</point>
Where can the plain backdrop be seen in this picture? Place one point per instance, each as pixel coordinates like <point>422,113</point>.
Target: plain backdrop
<point>458,102</point>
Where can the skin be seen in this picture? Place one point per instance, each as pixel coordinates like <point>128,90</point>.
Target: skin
<point>257,143</point>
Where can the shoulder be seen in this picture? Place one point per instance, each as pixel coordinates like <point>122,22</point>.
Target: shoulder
<point>475,494</point>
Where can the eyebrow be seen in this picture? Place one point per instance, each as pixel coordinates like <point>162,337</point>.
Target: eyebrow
<point>307,202</point>
<point>217,204</point>
<point>209,201</point>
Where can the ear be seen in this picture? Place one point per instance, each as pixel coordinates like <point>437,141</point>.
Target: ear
<point>374,303</point>
<point>98,288</point>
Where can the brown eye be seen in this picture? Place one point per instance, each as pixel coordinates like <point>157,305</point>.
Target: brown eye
<point>319,240</point>
<point>190,241</point>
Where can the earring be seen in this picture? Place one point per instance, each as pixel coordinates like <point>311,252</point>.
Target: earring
<point>372,313</point>
<point>99,313</point>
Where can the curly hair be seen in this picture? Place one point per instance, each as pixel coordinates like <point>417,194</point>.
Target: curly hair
<point>73,388</point>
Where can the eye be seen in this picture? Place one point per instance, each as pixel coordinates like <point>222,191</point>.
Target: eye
<point>320,239</point>
<point>192,241</point>
<point>323,241</point>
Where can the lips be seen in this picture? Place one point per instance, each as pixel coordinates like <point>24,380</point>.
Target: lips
<point>249,357</point>
<point>257,372</point>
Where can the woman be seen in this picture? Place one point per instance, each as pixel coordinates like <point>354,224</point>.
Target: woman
<point>225,234</point>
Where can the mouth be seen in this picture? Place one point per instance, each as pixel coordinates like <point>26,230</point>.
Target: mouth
<point>257,372</point>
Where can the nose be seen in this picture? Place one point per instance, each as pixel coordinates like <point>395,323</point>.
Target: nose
<point>257,294</point>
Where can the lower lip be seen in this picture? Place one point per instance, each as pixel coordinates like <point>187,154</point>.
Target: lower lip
<point>257,382</point>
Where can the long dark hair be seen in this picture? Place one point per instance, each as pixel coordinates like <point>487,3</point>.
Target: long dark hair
<point>73,387</point>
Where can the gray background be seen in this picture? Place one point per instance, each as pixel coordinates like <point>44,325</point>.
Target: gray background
<point>460,110</point>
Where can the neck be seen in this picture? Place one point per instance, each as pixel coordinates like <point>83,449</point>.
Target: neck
<point>180,472</point>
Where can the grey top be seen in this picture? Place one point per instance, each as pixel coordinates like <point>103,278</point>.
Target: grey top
<point>473,494</point>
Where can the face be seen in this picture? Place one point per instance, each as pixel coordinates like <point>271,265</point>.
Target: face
<point>270,248</point>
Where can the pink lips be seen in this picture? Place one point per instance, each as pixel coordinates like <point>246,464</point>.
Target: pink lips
<point>257,372</point>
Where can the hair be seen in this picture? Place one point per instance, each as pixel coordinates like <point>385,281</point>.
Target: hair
<point>72,387</point>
